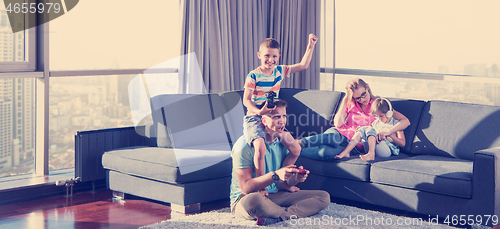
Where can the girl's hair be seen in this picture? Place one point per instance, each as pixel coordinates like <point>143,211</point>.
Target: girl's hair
<point>353,85</point>
<point>379,104</point>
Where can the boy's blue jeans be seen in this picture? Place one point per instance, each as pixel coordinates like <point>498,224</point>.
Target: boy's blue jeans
<point>366,131</point>
<point>324,146</point>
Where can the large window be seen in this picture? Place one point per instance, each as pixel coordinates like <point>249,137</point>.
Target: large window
<point>447,36</point>
<point>92,53</point>
<point>118,36</point>
<point>100,34</point>
<point>444,50</point>
<point>84,103</point>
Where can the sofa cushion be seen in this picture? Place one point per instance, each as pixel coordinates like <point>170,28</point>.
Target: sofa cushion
<point>442,175</point>
<point>161,164</point>
<point>183,113</point>
<point>188,119</point>
<point>352,168</point>
<point>234,112</point>
<point>412,110</point>
<point>457,129</point>
<point>309,111</point>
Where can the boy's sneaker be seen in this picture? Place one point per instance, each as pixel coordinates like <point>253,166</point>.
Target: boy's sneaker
<point>261,221</point>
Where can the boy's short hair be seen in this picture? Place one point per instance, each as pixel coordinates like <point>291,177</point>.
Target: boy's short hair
<point>271,43</point>
<point>379,104</point>
<point>278,103</point>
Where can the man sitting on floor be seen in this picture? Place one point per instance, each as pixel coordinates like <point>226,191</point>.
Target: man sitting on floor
<point>279,204</point>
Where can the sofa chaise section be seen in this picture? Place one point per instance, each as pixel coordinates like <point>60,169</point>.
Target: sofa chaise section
<point>191,164</point>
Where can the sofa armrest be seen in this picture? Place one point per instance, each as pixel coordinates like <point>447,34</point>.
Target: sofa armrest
<point>486,179</point>
<point>91,145</point>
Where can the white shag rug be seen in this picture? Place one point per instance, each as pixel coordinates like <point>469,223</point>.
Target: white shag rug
<point>335,216</point>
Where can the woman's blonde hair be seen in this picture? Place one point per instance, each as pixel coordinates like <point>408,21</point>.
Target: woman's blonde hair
<point>353,85</point>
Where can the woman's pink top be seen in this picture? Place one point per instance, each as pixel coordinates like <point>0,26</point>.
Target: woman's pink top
<point>356,118</point>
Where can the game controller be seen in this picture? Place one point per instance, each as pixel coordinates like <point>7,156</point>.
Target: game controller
<point>270,99</point>
<point>301,171</point>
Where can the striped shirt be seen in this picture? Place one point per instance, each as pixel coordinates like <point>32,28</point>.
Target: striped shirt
<point>260,83</point>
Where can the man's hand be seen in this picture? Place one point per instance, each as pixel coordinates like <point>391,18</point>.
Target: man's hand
<point>301,177</point>
<point>312,40</point>
<point>297,177</point>
<point>285,173</point>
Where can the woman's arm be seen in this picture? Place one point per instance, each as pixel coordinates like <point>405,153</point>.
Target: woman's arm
<point>400,126</point>
<point>341,115</point>
<point>398,139</point>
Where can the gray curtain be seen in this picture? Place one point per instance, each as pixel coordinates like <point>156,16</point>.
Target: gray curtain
<point>225,36</point>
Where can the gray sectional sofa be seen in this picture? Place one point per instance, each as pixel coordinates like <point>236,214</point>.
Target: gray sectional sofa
<point>450,165</point>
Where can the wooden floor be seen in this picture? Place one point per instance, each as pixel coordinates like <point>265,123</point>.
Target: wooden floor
<point>88,210</point>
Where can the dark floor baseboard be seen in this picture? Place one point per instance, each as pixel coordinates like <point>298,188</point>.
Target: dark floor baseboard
<point>26,193</point>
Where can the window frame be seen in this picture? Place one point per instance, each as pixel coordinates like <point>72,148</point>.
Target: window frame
<point>24,66</point>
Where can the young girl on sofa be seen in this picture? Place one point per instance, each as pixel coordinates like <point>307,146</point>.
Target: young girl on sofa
<point>381,109</point>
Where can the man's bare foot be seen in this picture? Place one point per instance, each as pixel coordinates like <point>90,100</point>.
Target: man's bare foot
<point>263,192</point>
<point>368,157</point>
<point>293,189</point>
<point>284,186</point>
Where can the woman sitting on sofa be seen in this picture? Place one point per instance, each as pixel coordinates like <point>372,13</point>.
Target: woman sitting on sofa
<point>354,112</point>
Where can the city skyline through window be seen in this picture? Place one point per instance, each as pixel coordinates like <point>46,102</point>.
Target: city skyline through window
<point>12,45</point>
<point>17,106</point>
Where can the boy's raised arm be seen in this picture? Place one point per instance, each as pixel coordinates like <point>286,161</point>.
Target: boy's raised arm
<point>304,64</point>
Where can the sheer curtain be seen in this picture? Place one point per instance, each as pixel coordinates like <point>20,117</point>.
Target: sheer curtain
<point>225,37</point>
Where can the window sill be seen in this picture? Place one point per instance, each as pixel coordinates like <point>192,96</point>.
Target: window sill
<point>29,181</point>
<point>29,187</point>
